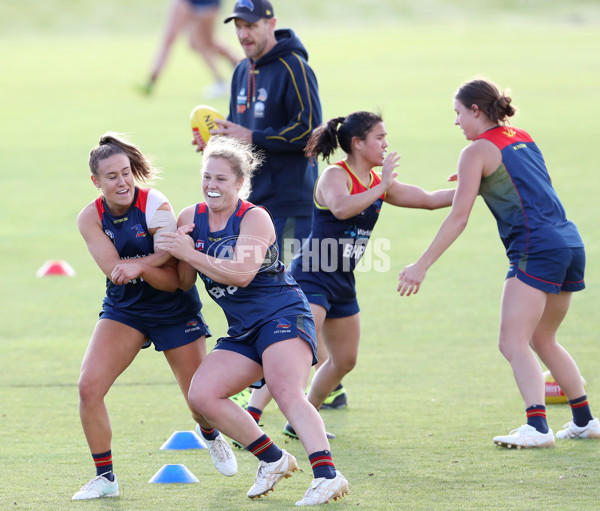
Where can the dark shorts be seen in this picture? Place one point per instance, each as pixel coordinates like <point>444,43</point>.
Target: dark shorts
<point>163,336</point>
<point>200,5</point>
<point>334,309</point>
<point>291,232</point>
<point>255,342</point>
<point>551,271</point>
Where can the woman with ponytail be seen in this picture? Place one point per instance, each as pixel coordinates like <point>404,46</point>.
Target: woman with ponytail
<point>347,199</point>
<point>143,303</point>
<point>546,254</point>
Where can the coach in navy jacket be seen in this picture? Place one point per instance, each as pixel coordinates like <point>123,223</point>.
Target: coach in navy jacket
<point>275,105</point>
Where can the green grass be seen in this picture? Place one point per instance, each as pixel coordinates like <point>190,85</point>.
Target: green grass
<point>430,388</point>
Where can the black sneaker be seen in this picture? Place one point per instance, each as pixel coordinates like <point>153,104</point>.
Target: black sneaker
<point>289,431</point>
<point>336,400</point>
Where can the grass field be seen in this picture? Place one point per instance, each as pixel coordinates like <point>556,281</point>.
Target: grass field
<point>431,388</point>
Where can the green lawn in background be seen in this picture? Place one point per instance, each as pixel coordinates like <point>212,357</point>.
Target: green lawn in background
<point>430,389</point>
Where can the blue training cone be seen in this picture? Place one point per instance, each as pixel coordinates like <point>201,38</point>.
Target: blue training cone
<point>174,474</point>
<point>184,440</point>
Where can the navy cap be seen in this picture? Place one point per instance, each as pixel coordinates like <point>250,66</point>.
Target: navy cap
<point>251,10</point>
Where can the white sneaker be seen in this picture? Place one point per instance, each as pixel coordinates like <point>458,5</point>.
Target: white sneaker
<point>269,474</point>
<point>525,437</point>
<point>322,490</point>
<point>222,455</point>
<point>97,488</point>
<point>590,430</point>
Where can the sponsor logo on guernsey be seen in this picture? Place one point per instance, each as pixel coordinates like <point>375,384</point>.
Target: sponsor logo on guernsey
<point>139,231</point>
<point>109,233</point>
<point>241,100</point>
<point>259,110</point>
<point>120,220</point>
<point>519,146</point>
<point>509,132</point>
<point>199,244</point>
<point>262,94</point>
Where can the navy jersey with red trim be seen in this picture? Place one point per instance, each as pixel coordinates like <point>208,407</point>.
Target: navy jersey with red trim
<point>272,293</point>
<point>520,195</point>
<point>130,236</point>
<point>329,256</point>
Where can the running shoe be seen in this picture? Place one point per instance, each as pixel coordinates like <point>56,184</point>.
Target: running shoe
<point>571,430</point>
<point>336,400</point>
<point>525,437</point>
<point>322,491</point>
<point>97,488</point>
<point>222,455</point>
<point>289,431</point>
<point>269,474</point>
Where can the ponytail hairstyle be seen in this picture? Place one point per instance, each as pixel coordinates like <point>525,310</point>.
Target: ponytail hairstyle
<point>486,95</point>
<point>112,143</point>
<point>325,139</point>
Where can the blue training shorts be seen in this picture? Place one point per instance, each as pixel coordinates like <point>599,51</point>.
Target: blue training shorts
<point>551,271</point>
<point>200,5</point>
<point>255,342</point>
<point>334,309</point>
<point>163,336</point>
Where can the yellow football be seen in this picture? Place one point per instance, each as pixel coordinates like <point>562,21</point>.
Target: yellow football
<point>554,394</point>
<point>202,120</point>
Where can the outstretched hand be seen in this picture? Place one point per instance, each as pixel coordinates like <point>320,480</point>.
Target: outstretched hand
<point>388,174</point>
<point>410,279</point>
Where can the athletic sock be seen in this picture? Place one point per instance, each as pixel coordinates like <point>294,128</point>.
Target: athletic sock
<point>265,450</point>
<point>255,412</point>
<point>322,464</point>
<point>581,411</point>
<point>104,465</point>
<point>536,417</point>
<point>210,433</point>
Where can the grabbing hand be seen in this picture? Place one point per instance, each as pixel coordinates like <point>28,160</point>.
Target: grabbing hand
<point>453,177</point>
<point>124,273</point>
<point>178,244</point>
<point>410,279</point>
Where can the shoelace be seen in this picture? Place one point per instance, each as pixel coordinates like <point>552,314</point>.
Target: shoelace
<point>220,451</point>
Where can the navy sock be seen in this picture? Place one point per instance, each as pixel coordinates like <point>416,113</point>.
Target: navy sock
<point>209,434</point>
<point>536,417</point>
<point>581,411</point>
<point>322,464</point>
<point>104,464</point>
<point>255,412</point>
<point>265,450</point>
